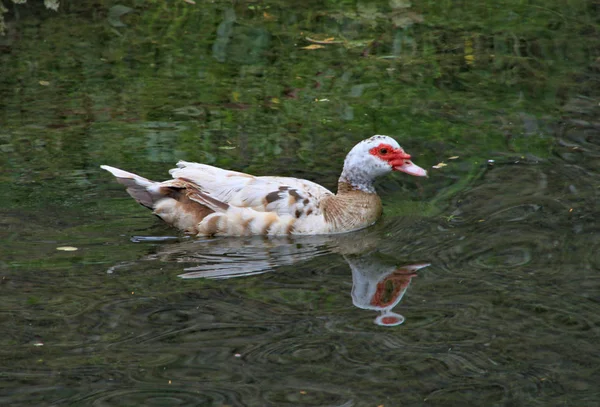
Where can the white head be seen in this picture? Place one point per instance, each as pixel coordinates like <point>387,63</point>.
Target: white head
<point>374,157</point>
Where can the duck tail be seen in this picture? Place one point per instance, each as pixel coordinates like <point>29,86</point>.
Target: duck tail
<point>144,191</point>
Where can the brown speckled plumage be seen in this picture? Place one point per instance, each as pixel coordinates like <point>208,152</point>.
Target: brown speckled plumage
<point>206,200</point>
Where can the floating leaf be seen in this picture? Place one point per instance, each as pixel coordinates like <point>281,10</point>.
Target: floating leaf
<point>313,46</point>
<point>44,83</point>
<point>67,248</point>
<point>454,157</point>
<point>326,41</point>
<point>190,1</point>
<point>440,165</point>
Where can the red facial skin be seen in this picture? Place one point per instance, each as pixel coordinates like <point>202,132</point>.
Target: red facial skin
<point>389,288</point>
<point>396,157</point>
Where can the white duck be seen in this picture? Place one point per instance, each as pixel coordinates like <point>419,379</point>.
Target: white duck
<point>206,200</point>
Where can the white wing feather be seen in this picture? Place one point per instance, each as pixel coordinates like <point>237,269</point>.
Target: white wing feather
<point>281,195</point>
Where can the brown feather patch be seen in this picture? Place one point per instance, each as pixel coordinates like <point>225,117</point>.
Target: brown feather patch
<point>194,193</point>
<point>270,219</point>
<point>295,194</point>
<point>272,197</point>
<point>247,225</point>
<point>290,227</point>
<point>180,211</point>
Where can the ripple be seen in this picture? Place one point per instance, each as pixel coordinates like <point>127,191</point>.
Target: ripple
<point>482,394</point>
<point>511,256</point>
<point>293,351</point>
<point>166,396</point>
<point>517,213</point>
<point>511,246</point>
<point>215,332</point>
<point>169,316</point>
<point>306,397</point>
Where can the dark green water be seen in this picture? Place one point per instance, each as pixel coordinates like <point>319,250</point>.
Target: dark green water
<point>506,314</point>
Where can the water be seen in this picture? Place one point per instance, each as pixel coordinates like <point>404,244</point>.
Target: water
<point>479,286</point>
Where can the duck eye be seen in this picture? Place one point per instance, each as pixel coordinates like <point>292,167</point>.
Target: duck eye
<point>383,151</point>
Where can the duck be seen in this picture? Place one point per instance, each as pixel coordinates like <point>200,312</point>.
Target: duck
<point>204,200</point>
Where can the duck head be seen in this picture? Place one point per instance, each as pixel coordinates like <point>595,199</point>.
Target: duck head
<point>376,156</point>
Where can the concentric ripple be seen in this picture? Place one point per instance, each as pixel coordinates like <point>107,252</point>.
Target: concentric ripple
<point>293,351</point>
<point>157,396</point>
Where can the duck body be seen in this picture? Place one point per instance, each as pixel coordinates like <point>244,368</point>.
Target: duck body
<point>206,200</point>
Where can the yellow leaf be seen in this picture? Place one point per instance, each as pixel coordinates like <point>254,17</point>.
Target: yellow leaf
<point>440,165</point>
<point>275,100</point>
<point>235,96</point>
<point>67,248</point>
<point>454,157</point>
<point>313,46</point>
<point>44,83</point>
<point>329,39</point>
<point>190,1</point>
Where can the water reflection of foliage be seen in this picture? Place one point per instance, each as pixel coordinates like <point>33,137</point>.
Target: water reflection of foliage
<point>51,4</point>
<point>191,81</point>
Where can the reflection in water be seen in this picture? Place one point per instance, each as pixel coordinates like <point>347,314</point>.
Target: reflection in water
<point>379,286</point>
<point>378,283</point>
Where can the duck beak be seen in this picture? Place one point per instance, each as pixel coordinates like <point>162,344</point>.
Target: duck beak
<point>410,168</point>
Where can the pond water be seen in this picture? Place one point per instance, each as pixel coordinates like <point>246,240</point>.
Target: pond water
<point>479,286</point>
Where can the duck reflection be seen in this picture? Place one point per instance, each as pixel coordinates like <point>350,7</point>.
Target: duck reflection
<point>378,283</point>
<point>379,286</point>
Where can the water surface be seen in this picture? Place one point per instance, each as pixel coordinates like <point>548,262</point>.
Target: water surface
<point>479,286</point>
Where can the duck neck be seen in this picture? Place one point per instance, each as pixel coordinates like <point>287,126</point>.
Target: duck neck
<point>351,208</point>
<point>355,180</point>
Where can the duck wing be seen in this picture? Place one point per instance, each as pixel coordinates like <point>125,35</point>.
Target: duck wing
<point>279,195</point>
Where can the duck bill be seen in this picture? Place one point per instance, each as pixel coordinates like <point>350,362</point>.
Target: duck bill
<point>410,168</point>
